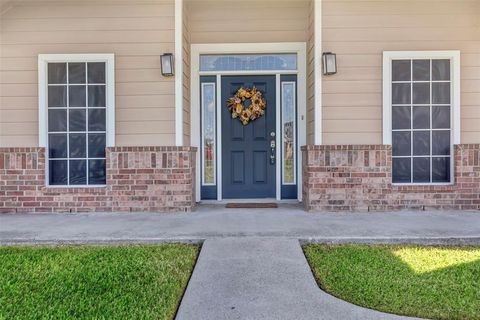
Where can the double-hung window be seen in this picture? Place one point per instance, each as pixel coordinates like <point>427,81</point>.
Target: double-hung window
<point>421,112</point>
<point>76,117</point>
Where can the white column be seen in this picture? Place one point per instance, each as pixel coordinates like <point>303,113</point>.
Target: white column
<point>178,72</point>
<point>318,71</point>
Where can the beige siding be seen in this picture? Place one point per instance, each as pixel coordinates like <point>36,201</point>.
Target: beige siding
<point>358,31</point>
<point>311,74</point>
<point>186,76</point>
<point>228,21</point>
<point>137,32</point>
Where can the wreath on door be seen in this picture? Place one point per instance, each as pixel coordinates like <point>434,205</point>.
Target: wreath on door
<point>247,105</point>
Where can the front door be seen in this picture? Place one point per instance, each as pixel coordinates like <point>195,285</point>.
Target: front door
<point>248,159</point>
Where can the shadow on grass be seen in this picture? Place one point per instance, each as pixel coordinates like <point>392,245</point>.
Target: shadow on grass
<point>431,285</point>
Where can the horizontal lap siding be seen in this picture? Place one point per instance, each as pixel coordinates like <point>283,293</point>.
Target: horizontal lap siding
<point>228,21</point>
<point>359,31</point>
<point>137,32</point>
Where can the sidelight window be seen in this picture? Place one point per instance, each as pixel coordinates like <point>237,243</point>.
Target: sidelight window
<point>78,106</point>
<point>208,110</point>
<point>422,114</point>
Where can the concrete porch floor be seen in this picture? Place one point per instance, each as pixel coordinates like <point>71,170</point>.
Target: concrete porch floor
<point>214,220</point>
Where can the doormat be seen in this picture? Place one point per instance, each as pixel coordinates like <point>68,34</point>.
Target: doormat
<point>251,205</point>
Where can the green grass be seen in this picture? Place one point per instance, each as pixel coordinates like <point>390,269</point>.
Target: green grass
<point>94,282</point>
<point>428,282</point>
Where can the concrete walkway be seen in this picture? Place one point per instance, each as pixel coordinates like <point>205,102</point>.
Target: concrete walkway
<point>215,221</point>
<point>251,265</point>
<point>261,278</point>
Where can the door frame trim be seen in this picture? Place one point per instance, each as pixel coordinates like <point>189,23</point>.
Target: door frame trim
<point>244,48</point>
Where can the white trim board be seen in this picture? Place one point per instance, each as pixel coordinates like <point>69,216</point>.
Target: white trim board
<point>317,59</point>
<point>244,48</point>
<point>178,72</point>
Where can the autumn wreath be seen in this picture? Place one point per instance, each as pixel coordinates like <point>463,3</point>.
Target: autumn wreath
<point>241,110</point>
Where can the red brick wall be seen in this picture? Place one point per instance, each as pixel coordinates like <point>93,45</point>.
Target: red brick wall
<point>138,179</point>
<point>359,177</point>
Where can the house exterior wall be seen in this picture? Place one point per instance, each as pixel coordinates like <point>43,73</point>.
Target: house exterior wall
<point>351,171</point>
<point>232,21</point>
<point>137,32</point>
<point>359,31</point>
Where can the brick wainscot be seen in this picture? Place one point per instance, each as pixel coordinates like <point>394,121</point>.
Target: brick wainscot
<point>359,177</point>
<point>138,179</point>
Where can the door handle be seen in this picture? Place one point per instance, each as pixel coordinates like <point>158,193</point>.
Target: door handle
<point>273,145</point>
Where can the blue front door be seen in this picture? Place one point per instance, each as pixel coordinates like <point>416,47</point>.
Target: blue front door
<point>248,159</point>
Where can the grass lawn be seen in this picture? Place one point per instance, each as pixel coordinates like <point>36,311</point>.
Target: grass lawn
<point>94,282</point>
<point>428,282</point>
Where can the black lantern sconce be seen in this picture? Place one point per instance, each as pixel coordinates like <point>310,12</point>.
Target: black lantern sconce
<point>166,62</point>
<point>329,63</point>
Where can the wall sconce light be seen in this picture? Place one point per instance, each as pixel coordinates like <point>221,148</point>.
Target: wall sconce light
<point>166,62</point>
<point>329,63</point>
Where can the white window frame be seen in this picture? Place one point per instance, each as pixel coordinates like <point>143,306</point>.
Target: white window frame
<point>454,57</point>
<point>43,61</point>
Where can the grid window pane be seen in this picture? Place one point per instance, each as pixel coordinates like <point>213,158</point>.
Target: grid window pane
<point>421,170</point>
<point>96,172</point>
<point>441,143</point>
<point>77,121</point>
<point>78,145</point>
<point>401,70</point>
<point>57,145</point>
<point>421,143</point>
<point>421,117</point>
<point>57,73</point>
<point>96,72</point>
<point>401,93</point>
<point>402,143</point>
<point>441,70</point>
<point>421,93</point>
<point>401,170</point>
<point>96,96</point>
<point>71,145</point>
<point>76,73</point>
<point>421,70</point>
<point>77,96</point>
<point>78,172</point>
<point>96,120</point>
<point>440,169</point>
<point>57,120</point>
<point>441,117</point>
<point>96,145</point>
<point>57,96</point>
<point>401,117</point>
<point>58,172</point>
<point>441,92</point>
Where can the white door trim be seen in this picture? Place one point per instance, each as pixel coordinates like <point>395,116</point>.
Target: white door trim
<point>242,48</point>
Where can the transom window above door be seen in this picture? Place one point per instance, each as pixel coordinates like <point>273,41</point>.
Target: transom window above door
<point>77,103</point>
<point>248,62</point>
<point>420,94</point>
